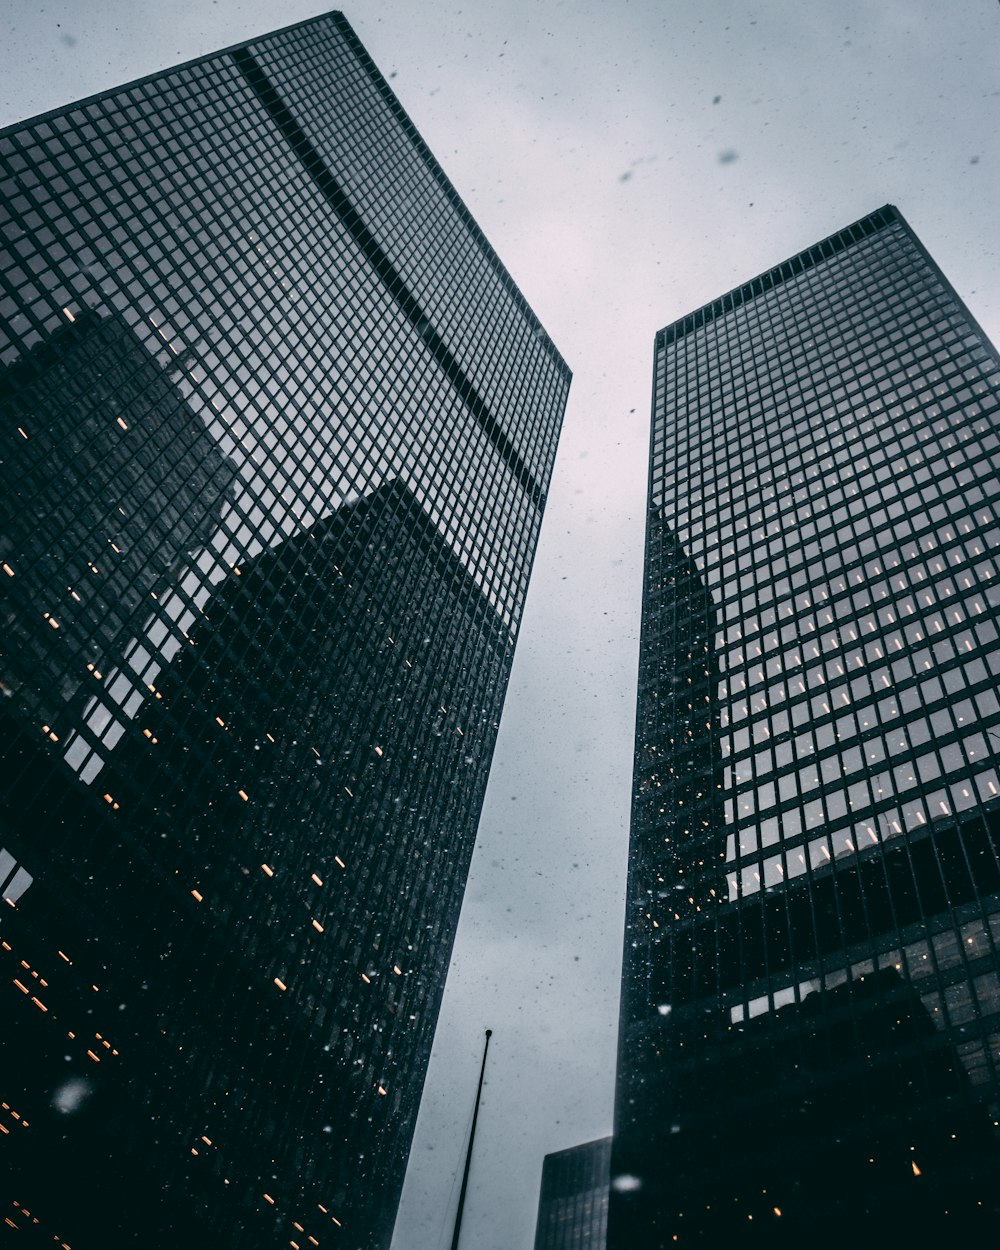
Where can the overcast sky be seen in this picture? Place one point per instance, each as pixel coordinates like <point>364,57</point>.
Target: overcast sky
<point>629,162</point>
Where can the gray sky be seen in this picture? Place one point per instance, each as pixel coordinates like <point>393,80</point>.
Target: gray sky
<point>588,141</point>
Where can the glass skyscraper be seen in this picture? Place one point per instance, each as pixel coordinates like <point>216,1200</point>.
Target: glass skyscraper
<point>573,1203</point>
<point>277,432</point>
<point>810,1023</point>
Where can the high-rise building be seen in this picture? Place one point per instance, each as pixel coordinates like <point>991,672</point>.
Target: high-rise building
<point>810,1023</point>
<point>278,429</point>
<point>573,1203</point>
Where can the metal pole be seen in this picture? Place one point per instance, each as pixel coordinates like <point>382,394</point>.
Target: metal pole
<point>468,1153</point>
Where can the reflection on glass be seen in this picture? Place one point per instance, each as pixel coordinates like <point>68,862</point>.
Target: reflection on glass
<point>824,1072</point>
<point>276,447</point>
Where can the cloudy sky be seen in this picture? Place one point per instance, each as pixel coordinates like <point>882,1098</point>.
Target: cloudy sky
<point>629,161</point>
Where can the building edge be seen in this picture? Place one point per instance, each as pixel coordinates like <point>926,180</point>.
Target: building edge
<point>399,112</point>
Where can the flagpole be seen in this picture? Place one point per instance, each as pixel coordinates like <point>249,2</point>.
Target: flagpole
<point>468,1153</point>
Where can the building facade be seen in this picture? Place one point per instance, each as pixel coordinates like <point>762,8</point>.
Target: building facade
<point>573,1203</point>
<point>278,432</point>
<point>810,1025</point>
<point>64,487</point>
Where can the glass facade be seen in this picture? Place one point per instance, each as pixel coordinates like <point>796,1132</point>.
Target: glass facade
<point>573,1204</point>
<point>277,432</point>
<point>810,1023</point>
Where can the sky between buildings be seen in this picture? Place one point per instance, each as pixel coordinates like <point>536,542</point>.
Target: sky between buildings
<point>629,162</point>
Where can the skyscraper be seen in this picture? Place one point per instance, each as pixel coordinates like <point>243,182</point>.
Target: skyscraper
<point>808,1052</point>
<point>573,1203</point>
<point>278,432</point>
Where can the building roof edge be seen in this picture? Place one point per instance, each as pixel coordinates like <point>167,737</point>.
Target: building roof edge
<point>887,215</point>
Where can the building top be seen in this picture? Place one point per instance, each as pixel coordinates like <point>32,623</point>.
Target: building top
<point>579,1167</point>
<point>573,1203</point>
<point>402,117</point>
<point>772,278</point>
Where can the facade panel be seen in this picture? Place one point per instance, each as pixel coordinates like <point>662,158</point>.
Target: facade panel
<point>811,1004</point>
<point>278,429</point>
<point>573,1204</point>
